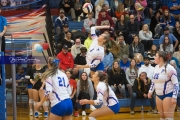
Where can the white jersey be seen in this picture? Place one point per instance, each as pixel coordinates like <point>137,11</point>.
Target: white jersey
<point>104,98</point>
<point>95,53</point>
<point>165,82</point>
<point>58,88</point>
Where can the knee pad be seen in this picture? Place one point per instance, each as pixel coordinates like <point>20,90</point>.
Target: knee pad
<point>169,119</point>
<point>35,102</point>
<point>45,103</point>
<point>92,118</point>
<point>31,101</point>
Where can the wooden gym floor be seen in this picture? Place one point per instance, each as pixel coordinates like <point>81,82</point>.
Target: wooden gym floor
<point>23,113</point>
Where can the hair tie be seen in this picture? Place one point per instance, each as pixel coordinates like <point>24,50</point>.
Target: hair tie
<point>56,61</point>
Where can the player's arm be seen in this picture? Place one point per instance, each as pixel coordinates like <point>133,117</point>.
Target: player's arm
<point>101,27</point>
<point>92,65</point>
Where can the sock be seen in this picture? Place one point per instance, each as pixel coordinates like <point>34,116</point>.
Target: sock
<point>92,118</point>
<point>169,119</point>
<point>162,119</point>
<point>31,101</point>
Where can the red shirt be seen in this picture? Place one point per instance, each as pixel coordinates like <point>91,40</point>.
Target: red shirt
<point>66,60</point>
<point>72,82</point>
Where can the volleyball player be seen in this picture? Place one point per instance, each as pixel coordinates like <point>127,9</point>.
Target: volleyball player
<point>58,91</point>
<point>105,96</point>
<point>165,83</point>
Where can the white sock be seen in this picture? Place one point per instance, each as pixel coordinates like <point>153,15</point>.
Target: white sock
<point>92,118</point>
<point>169,118</point>
<point>162,119</point>
<point>31,110</point>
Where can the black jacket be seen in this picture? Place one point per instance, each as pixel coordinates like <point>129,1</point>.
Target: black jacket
<point>131,50</point>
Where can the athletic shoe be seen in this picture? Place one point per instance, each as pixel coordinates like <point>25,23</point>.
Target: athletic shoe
<point>31,113</point>
<point>132,112</point>
<point>92,108</point>
<point>83,113</point>
<point>154,111</point>
<point>45,114</point>
<point>178,109</point>
<point>36,114</point>
<point>76,114</point>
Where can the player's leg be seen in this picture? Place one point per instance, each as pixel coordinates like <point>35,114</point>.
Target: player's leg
<point>159,104</point>
<point>168,108</point>
<point>31,101</point>
<point>54,117</point>
<point>36,99</point>
<point>45,104</point>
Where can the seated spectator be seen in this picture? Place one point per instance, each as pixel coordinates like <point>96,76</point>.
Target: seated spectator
<point>80,58</point>
<point>117,78</point>
<point>176,33</point>
<point>177,54</point>
<point>75,49</point>
<point>153,6</point>
<point>140,90</point>
<point>171,37</point>
<point>170,56</point>
<point>78,8</point>
<point>119,10</point>
<point>66,59</point>
<point>139,60</point>
<point>62,34</point>
<point>105,20</point>
<point>129,4</point>
<point>98,8</point>
<point>68,6</point>
<point>85,90</point>
<point>154,22</point>
<point>166,46</point>
<point>124,49</point>
<point>136,47</point>
<point>124,62</point>
<point>67,40</point>
<point>104,2</point>
<point>89,21</point>
<point>147,68</point>
<point>88,41</point>
<point>76,73</point>
<point>167,20</point>
<point>151,54</point>
<point>107,60</point>
<point>61,20</point>
<point>133,29</point>
<point>131,75</point>
<point>114,4</point>
<point>174,7</point>
<point>121,28</point>
<point>145,35</point>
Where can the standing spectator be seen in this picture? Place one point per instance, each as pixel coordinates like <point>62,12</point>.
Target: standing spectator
<point>136,47</point>
<point>153,6</point>
<point>145,36</point>
<point>75,49</point>
<point>66,59</point>
<point>108,59</point>
<point>89,22</point>
<point>61,20</point>
<point>80,58</point>
<point>133,29</point>
<point>166,46</point>
<point>77,7</point>
<point>88,41</point>
<point>176,32</point>
<point>177,54</point>
<point>67,40</point>
<point>174,7</point>
<point>68,6</point>
<point>151,54</point>
<point>124,62</point>
<point>3,29</point>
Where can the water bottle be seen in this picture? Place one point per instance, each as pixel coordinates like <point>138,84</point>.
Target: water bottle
<point>142,109</point>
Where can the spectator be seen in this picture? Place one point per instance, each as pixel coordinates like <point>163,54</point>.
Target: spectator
<point>80,58</point>
<point>103,1</point>
<point>176,33</point>
<point>151,54</point>
<point>77,7</point>
<point>76,73</point>
<point>109,11</point>
<point>139,60</point>
<point>131,75</point>
<point>124,49</point>
<point>129,4</point>
<point>105,20</point>
<point>67,40</point>
<point>171,37</point>
<point>114,4</point>
<point>145,36</point>
<point>121,28</point>
<point>75,49</point>
<point>177,54</point>
<point>68,6</point>
<point>88,41</point>
<point>133,29</point>
<point>89,22</point>
<point>66,59</point>
<point>120,10</point>
<point>61,20</point>
<point>154,22</point>
<point>166,46</point>
<point>174,7</point>
<point>140,90</point>
<point>85,90</point>
<point>98,7</point>
<point>153,6</point>
<point>107,60</point>
<point>124,62</point>
<point>136,47</point>
<point>117,78</point>
<point>147,68</point>
<point>169,54</point>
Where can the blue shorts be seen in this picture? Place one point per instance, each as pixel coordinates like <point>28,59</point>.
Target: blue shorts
<point>30,86</point>
<point>63,108</point>
<point>166,95</point>
<point>115,108</point>
<point>100,67</point>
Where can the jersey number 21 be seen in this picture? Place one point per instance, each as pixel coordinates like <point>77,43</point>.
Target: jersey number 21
<point>61,82</point>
